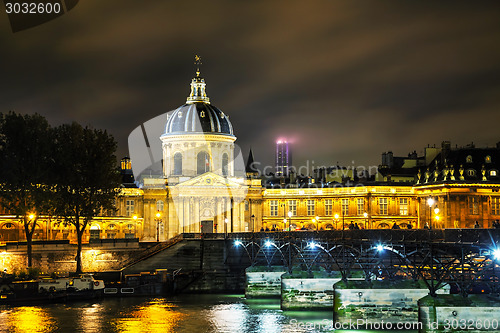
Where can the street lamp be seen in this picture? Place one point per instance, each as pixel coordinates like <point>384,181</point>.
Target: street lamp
<point>336,216</point>
<point>157,219</point>
<point>436,216</point>
<point>365,214</point>
<point>253,222</point>
<point>430,202</point>
<point>290,214</point>
<point>225,225</point>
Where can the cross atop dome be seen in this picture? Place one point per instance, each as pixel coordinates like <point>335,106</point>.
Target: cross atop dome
<point>198,85</point>
<point>197,62</point>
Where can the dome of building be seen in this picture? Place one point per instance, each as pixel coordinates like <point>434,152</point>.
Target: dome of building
<point>198,115</point>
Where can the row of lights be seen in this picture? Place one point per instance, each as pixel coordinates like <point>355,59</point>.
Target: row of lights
<point>378,247</point>
<point>313,245</point>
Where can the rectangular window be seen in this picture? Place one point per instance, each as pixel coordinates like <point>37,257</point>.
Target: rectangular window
<point>95,234</point>
<point>382,206</point>
<point>130,207</point>
<point>345,207</point>
<point>361,206</point>
<point>292,207</point>
<point>328,207</point>
<point>311,207</point>
<point>495,206</point>
<point>403,206</point>
<point>473,206</point>
<point>273,207</point>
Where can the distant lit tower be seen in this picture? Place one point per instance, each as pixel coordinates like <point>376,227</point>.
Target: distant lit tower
<point>283,158</point>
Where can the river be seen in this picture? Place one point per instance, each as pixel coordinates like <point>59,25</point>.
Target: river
<point>185,314</point>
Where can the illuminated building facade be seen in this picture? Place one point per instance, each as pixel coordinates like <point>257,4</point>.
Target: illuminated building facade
<point>202,190</point>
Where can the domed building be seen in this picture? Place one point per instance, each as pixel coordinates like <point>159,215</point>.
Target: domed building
<point>204,190</point>
<point>198,138</point>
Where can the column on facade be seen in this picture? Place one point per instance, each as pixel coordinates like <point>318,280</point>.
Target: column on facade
<point>196,220</point>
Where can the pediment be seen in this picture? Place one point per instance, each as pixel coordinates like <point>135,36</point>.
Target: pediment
<point>209,179</point>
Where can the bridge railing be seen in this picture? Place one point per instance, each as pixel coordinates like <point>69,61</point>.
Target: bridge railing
<point>478,236</point>
<point>482,236</point>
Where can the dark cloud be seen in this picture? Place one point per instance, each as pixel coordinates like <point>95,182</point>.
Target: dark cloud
<point>345,80</point>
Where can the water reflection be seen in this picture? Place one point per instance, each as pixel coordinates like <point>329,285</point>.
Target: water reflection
<point>184,314</point>
<point>155,316</point>
<point>29,319</point>
<point>90,318</point>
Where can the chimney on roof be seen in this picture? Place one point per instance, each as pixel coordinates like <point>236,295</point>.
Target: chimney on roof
<point>445,150</point>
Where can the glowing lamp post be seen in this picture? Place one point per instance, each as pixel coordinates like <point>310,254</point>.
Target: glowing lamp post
<point>365,214</point>
<point>290,243</point>
<point>436,216</point>
<point>158,219</point>
<point>430,203</point>
<point>336,216</point>
<point>290,214</point>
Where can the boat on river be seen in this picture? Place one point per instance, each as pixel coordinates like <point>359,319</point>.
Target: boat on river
<point>47,290</point>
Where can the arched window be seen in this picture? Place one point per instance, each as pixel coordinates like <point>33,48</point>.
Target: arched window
<point>468,159</point>
<point>178,164</point>
<point>224,164</point>
<point>111,231</point>
<point>202,163</point>
<point>471,172</point>
<point>159,206</point>
<point>487,159</point>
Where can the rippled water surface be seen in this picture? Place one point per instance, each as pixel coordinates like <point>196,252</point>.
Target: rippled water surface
<point>194,313</point>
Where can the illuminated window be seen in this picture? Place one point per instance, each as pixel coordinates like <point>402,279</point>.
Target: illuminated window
<point>468,159</point>
<point>292,207</point>
<point>273,207</point>
<point>224,164</point>
<point>493,173</point>
<point>495,206</point>
<point>345,207</point>
<point>311,209</point>
<point>487,159</point>
<point>382,206</point>
<point>129,206</point>
<point>403,206</point>
<point>178,164</point>
<point>473,206</point>
<point>159,205</point>
<point>203,162</point>
<point>130,232</point>
<point>361,206</point>
<point>95,233</point>
<point>126,164</point>
<point>111,231</point>
<point>328,207</point>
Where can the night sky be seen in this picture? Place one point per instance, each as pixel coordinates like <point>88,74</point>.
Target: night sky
<point>344,80</point>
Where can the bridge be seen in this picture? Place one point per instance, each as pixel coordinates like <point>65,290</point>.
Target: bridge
<point>390,275</point>
<point>461,257</point>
